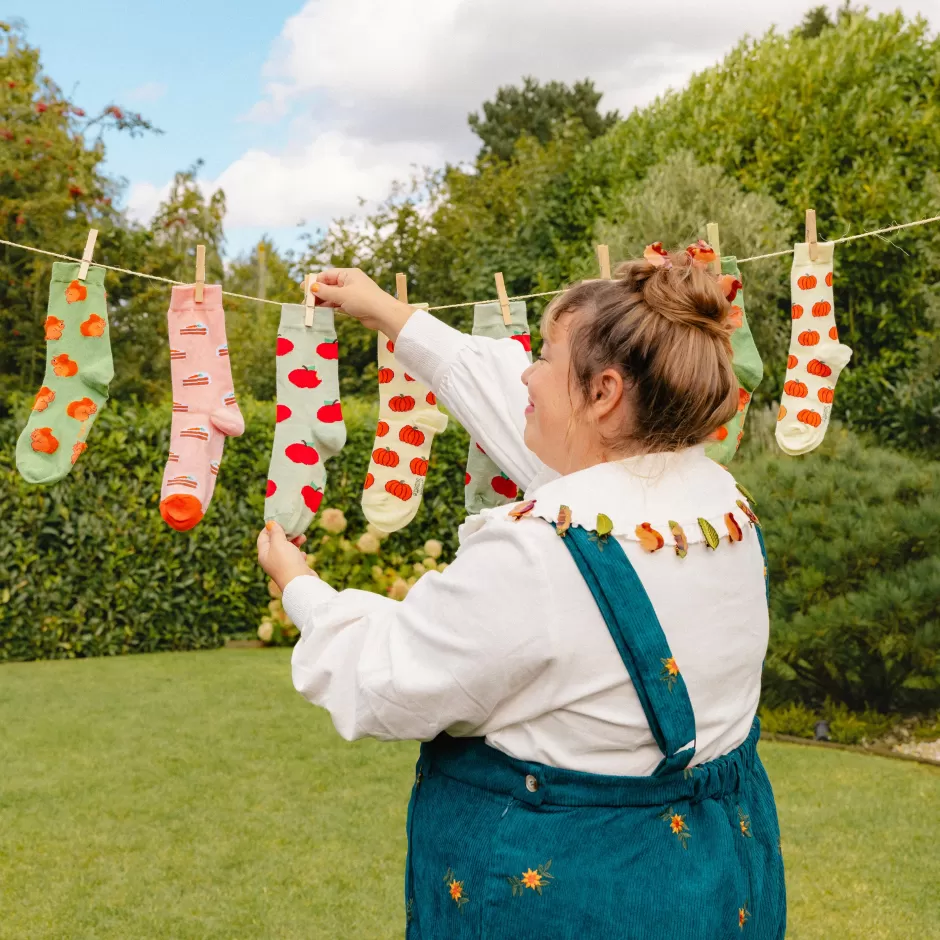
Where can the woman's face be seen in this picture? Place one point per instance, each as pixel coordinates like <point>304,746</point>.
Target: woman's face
<point>559,435</point>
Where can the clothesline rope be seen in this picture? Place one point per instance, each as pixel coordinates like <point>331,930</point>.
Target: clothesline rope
<point>471,303</point>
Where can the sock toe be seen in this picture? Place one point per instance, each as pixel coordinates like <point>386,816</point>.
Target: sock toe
<point>181,511</point>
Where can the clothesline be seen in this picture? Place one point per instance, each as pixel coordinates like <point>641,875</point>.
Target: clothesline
<point>471,303</point>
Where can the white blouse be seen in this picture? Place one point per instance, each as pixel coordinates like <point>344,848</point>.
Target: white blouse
<point>508,642</point>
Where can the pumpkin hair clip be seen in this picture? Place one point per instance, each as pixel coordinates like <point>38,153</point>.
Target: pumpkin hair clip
<point>657,256</point>
<point>701,253</point>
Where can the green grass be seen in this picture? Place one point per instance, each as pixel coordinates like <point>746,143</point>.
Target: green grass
<point>196,795</point>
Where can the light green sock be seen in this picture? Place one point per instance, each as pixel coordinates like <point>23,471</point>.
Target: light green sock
<point>749,369</point>
<point>310,427</point>
<point>78,372</point>
<point>486,485</point>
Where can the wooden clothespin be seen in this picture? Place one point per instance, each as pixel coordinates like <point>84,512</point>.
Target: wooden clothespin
<point>711,234</point>
<point>200,283</point>
<point>401,288</point>
<point>811,234</point>
<point>603,260</point>
<point>310,299</point>
<point>87,253</point>
<point>503,299</point>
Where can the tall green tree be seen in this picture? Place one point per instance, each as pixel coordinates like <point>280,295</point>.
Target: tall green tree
<point>537,110</point>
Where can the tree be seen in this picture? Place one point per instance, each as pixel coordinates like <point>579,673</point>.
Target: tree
<point>815,21</point>
<point>537,111</point>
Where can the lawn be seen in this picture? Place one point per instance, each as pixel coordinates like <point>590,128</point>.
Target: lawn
<point>196,795</point>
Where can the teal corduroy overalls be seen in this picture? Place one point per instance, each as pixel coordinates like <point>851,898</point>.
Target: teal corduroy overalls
<point>505,848</point>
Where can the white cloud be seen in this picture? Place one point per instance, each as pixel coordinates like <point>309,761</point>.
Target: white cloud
<point>368,89</point>
<point>143,200</point>
<point>146,93</point>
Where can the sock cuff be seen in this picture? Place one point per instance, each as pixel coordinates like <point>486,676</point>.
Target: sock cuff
<point>64,272</point>
<point>485,314</point>
<point>182,299</point>
<point>293,317</point>
<point>824,254</point>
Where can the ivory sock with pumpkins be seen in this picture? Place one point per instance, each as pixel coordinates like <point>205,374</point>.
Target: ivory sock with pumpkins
<point>747,365</point>
<point>310,427</point>
<point>78,371</point>
<point>408,420</point>
<point>204,408</point>
<point>486,485</point>
<point>816,357</point>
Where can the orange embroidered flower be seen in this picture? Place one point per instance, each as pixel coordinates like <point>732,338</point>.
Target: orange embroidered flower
<point>744,915</point>
<point>670,673</point>
<point>532,879</point>
<point>744,822</point>
<point>670,666</point>
<point>456,890</point>
<point>677,825</point>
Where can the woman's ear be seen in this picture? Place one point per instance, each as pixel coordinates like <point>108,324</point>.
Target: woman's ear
<point>607,392</point>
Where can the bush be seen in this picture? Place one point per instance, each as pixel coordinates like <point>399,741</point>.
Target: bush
<point>88,567</point>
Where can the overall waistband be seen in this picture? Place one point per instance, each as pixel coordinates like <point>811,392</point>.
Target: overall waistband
<point>474,762</point>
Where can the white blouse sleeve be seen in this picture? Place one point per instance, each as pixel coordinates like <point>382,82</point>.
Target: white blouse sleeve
<point>461,642</point>
<point>479,380</point>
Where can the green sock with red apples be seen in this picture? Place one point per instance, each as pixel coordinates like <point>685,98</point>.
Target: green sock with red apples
<point>309,428</point>
<point>485,485</point>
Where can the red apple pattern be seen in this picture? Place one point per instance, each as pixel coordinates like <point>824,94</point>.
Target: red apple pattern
<point>312,497</point>
<point>524,339</point>
<point>330,413</point>
<point>504,486</point>
<point>284,346</point>
<point>328,350</point>
<point>270,490</point>
<point>283,413</point>
<point>304,377</point>
<point>302,452</point>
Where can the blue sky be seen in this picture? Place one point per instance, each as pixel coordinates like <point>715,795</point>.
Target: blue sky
<point>299,109</point>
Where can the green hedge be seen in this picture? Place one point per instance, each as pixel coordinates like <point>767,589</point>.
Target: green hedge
<point>88,567</point>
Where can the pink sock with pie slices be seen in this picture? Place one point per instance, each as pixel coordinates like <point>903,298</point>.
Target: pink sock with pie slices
<point>204,408</point>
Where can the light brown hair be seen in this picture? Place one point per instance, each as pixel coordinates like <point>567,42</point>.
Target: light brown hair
<point>665,329</point>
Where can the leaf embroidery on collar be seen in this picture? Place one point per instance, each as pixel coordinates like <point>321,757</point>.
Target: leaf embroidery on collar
<point>743,506</point>
<point>682,543</point>
<point>745,494</point>
<point>711,536</point>
<point>734,530</point>
<point>564,521</point>
<point>650,540</point>
<point>522,510</point>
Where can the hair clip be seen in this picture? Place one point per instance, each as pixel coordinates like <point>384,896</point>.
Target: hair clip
<point>656,255</point>
<point>729,285</point>
<point>701,253</point>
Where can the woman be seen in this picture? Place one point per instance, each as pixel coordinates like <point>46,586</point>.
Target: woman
<point>585,675</point>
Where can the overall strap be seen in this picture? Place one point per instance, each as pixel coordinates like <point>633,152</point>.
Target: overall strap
<point>763,551</point>
<point>635,628</point>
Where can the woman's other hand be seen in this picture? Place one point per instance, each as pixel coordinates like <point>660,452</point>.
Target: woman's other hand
<point>281,558</point>
<point>356,294</point>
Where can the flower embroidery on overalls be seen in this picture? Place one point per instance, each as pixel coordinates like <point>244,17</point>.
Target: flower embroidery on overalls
<point>744,915</point>
<point>536,880</point>
<point>670,672</point>
<point>677,825</point>
<point>455,888</point>
<point>744,821</point>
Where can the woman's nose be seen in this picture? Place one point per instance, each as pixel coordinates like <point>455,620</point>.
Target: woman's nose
<point>525,376</point>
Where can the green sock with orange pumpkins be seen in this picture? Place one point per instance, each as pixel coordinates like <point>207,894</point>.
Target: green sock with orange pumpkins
<point>310,427</point>
<point>78,371</point>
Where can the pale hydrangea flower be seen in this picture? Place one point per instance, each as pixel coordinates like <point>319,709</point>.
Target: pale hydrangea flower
<point>378,533</point>
<point>399,590</point>
<point>429,563</point>
<point>333,521</point>
<point>418,568</point>
<point>266,631</point>
<point>368,544</point>
<point>274,590</point>
<point>433,548</point>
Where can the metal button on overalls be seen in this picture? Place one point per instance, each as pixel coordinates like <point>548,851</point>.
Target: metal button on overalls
<point>531,784</point>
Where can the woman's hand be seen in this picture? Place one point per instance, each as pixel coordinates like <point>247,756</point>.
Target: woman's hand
<point>281,559</point>
<point>358,295</point>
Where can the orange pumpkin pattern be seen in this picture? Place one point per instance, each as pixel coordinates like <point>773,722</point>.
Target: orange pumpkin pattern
<point>75,292</point>
<point>369,481</point>
<point>822,308</point>
<point>82,409</point>
<point>401,403</point>
<point>385,457</point>
<point>54,328</point>
<point>833,333</point>
<point>808,338</point>
<point>93,326</point>
<point>411,435</point>
<point>829,279</point>
<point>810,417</point>
<point>806,282</point>
<point>381,429</point>
<point>795,388</point>
<point>385,376</point>
<point>419,467</point>
<point>44,441</point>
<point>782,413</point>
<point>796,311</point>
<point>792,361</point>
<point>826,395</point>
<point>399,488</point>
<point>44,398</point>
<point>815,367</point>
